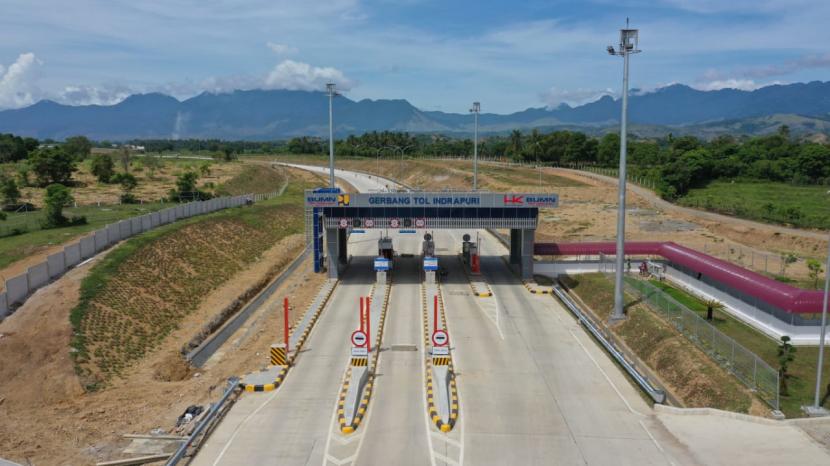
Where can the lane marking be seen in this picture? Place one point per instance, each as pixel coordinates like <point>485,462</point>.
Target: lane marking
<point>604,374</point>
<point>445,459</point>
<point>239,426</point>
<point>656,443</point>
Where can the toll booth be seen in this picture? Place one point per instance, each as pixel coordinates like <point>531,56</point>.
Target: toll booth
<point>332,214</point>
<point>385,248</point>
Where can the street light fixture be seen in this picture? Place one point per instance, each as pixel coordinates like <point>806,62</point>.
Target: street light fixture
<point>332,93</point>
<point>629,39</point>
<point>475,111</point>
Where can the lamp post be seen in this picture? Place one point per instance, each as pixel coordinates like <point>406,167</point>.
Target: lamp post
<point>628,45</point>
<point>402,149</point>
<point>332,93</point>
<point>817,409</point>
<point>475,111</point>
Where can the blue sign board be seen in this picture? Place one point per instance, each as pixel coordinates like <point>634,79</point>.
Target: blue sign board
<point>381,264</point>
<point>430,263</point>
<point>407,231</point>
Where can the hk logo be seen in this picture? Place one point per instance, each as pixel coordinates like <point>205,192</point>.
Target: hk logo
<point>342,199</point>
<point>513,199</point>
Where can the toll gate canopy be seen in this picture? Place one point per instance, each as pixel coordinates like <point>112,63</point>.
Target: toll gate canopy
<point>332,214</point>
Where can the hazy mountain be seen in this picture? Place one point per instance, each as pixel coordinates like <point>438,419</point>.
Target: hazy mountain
<point>277,114</point>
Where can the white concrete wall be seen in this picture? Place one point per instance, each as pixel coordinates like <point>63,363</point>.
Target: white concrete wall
<point>20,287</point>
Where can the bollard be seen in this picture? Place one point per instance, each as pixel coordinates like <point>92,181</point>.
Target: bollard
<point>285,325</point>
<point>435,313</point>
<point>368,324</point>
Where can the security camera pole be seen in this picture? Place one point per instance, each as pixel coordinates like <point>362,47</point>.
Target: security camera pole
<point>628,45</point>
<point>330,90</point>
<point>475,111</point>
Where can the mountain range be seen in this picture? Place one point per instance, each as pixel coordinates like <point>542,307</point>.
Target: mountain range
<point>280,114</point>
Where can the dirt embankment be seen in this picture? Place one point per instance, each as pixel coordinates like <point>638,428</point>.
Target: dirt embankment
<point>48,418</point>
<point>682,368</point>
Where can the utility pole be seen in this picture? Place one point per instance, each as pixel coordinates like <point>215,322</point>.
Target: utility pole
<point>628,45</point>
<point>817,409</point>
<point>475,111</point>
<point>332,93</point>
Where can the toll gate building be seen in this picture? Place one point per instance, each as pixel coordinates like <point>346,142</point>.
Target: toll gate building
<point>332,214</point>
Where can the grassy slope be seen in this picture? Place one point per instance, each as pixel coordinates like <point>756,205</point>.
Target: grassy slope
<point>802,369</point>
<point>140,292</point>
<point>747,200</point>
<point>687,371</point>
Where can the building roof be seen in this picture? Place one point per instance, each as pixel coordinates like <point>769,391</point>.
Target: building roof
<point>778,294</point>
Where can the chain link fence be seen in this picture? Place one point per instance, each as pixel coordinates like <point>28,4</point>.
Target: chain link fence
<point>745,365</point>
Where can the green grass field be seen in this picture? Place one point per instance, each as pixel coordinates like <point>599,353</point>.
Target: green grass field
<point>800,206</point>
<point>802,369</point>
<point>16,247</point>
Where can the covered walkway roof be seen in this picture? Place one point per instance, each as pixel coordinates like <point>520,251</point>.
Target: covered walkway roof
<point>778,294</point>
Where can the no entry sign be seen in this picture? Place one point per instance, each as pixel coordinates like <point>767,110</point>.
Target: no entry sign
<point>343,223</point>
<point>394,223</point>
<point>420,222</point>
<point>359,338</point>
<point>369,223</point>
<point>440,338</point>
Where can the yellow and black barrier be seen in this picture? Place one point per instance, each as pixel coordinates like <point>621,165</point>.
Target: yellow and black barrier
<point>432,409</point>
<point>278,355</point>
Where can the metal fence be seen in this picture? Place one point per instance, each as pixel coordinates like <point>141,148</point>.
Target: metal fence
<point>745,365</point>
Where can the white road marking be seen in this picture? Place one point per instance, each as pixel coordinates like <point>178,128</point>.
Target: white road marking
<point>604,374</point>
<point>656,443</point>
<point>239,427</point>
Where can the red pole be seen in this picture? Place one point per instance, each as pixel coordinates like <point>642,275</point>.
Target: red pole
<point>285,332</point>
<point>368,324</point>
<point>435,314</point>
<point>361,314</point>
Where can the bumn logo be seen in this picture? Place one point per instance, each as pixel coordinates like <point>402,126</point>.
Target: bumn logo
<point>342,199</point>
<point>513,199</point>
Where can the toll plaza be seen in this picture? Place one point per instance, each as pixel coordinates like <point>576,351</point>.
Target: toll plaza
<point>331,216</point>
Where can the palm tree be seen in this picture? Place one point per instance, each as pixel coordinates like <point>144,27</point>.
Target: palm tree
<point>516,142</point>
<point>712,305</point>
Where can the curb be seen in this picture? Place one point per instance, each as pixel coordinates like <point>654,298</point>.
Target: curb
<point>363,406</point>
<point>432,410</point>
<point>293,354</point>
<point>476,292</point>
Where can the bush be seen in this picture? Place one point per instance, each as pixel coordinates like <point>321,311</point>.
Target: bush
<point>103,168</point>
<point>52,165</point>
<point>58,197</point>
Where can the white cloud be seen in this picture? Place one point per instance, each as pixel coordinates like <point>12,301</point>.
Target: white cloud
<point>281,49</point>
<point>293,75</point>
<point>731,83</point>
<point>554,96</point>
<point>17,83</point>
<point>94,95</point>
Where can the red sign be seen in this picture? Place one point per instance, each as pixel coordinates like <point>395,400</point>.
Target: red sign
<point>369,223</point>
<point>343,223</point>
<point>359,338</point>
<point>420,222</point>
<point>394,223</point>
<point>513,199</point>
<point>440,338</point>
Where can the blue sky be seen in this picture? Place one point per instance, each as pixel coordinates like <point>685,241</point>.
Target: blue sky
<point>438,54</point>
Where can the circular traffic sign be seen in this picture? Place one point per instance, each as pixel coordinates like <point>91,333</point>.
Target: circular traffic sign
<point>369,223</point>
<point>394,223</point>
<point>359,338</point>
<point>343,223</point>
<point>440,338</point>
<point>420,222</point>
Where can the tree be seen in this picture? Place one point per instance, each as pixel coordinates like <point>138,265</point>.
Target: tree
<point>786,355</point>
<point>712,305</point>
<point>52,165</point>
<point>186,188</point>
<point>515,143</point>
<point>57,197</point>
<point>787,258</point>
<point>128,182</point>
<point>78,147</point>
<point>103,167</point>
<point>9,191</point>
<point>608,151</point>
<point>152,163</point>
<point>204,169</point>
<point>124,154</point>
<point>814,268</point>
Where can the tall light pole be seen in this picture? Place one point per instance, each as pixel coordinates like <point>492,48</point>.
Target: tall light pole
<point>475,111</point>
<point>817,409</point>
<point>332,93</point>
<point>628,45</point>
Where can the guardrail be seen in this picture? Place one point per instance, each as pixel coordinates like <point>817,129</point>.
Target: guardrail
<point>211,416</point>
<point>659,396</point>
